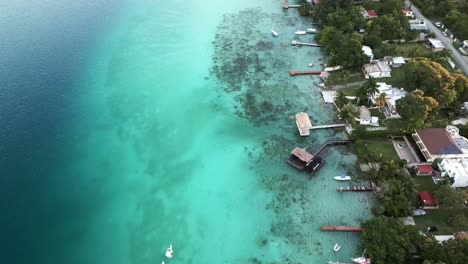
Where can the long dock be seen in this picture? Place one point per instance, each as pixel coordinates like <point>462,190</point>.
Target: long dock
<point>293,72</point>
<point>362,188</point>
<point>328,126</point>
<point>298,43</point>
<point>286,5</point>
<point>341,228</point>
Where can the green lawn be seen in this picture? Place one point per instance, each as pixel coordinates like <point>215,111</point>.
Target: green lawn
<point>424,183</point>
<point>438,218</point>
<point>406,49</point>
<point>383,147</point>
<point>377,113</point>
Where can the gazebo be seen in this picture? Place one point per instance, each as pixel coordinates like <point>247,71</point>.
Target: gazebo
<point>299,158</point>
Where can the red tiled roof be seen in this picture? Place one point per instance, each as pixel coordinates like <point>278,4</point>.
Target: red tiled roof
<point>404,10</point>
<point>371,13</point>
<point>438,141</point>
<point>424,168</point>
<point>427,198</point>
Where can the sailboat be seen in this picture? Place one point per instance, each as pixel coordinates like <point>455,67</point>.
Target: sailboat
<point>362,259</point>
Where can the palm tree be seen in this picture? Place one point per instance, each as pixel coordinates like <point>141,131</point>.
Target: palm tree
<point>381,100</point>
<point>371,86</point>
<point>349,112</point>
<point>360,93</point>
<point>340,98</point>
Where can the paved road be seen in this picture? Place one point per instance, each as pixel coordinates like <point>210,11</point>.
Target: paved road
<point>458,57</point>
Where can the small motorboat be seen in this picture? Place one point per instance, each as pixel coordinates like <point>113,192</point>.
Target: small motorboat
<point>169,251</point>
<point>300,32</point>
<point>336,247</point>
<point>274,32</point>
<point>342,178</point>
<point>311,30</point>
<point>311,65</point>
<point>361,260</point>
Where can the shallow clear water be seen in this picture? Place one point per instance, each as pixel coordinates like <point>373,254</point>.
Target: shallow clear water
<point>179,124</point>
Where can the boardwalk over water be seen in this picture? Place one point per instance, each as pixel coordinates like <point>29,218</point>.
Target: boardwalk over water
<point>324,146</point>
<point>286,5</point>
<point>328,126</point>
<point>341,228</point>
<point>298,43</point>
<point>293,72</point>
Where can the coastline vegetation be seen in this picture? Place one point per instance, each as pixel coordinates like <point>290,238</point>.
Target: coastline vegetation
<point>435,94</point>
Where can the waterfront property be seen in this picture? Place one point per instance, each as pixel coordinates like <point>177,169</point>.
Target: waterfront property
<point>441,143</point>
<point>392,94</point>
<point>377,69</point>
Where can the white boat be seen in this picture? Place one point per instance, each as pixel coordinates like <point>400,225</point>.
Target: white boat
<point>169,252</point>
<point>300,32</point>
<point>361,260</point>
<point>311,65</point>
<point>311,30</point>
<point>342,178</point>
<point>336,247</point>
<point>274,32</point>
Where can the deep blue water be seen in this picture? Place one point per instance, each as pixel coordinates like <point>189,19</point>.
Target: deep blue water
<point>44,50</point>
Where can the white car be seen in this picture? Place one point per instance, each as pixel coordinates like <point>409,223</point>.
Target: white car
<point>439,24</point>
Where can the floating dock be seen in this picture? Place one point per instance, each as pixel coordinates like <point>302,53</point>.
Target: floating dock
<point>298,43</point>
<point>293,72</point>
<point>341,228</point>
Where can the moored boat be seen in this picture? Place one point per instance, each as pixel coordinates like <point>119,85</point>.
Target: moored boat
<point>300,32</point>
<point>169,251</point>
<point>361,260</point>
<point>342,178</point>
<point>336,247</point>
<point>274,32</point>
<point>311,30</point>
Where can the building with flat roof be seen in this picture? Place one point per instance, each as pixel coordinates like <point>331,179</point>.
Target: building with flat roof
<point>444,143</point>
<point>436,44</point>
<point>416,24</point>
<point>376,69</point>
<point>303,123</point>
<point>456,170</point>
<point>392,94</point>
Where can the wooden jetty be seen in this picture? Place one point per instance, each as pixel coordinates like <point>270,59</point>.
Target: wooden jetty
<point>299,43</point>
<point>363,188</point>
<point>323,147</point>
<point>341,228</point>
<point>286,5</point>
<point>293,72</point>
<point>328,126</point>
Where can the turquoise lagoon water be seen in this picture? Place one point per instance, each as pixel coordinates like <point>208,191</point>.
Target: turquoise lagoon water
<point>176,131</point>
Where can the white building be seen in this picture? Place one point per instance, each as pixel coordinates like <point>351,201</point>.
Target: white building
<point>392,94</point>
<point>368,52</point>
<point>398,61</point>
<point>416,24</point>
<point>436,44</point>
<point>456,170</point>
<point>408,12</point>
<point>379,69</point>
<point>444,143</point>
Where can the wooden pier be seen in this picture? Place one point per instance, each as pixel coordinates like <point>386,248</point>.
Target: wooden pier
<point>286,5</point>
<point>298,43</point>
<point>341,228</point>
<point>293,72</point>
<point>362,188</point>
<point>323,147</point>
<point>328,126</point>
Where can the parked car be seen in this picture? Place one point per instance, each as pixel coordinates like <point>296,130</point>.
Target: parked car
<point>431,228</point>
<point>439,24</point>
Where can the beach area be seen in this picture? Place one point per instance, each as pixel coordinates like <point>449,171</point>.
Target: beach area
<point>176,130</point>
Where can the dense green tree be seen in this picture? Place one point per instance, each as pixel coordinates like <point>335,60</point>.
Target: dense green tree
<point>361,94</point>
<point>415,107</point>
<point>346,20</point>
<point>343,49</point>
<point>387,240</point>
<point>371,86</point>
<point>340,98</point>
<point>390,6</point>
<point>349,112</point>
<point>385,27</point>
<point>453,251</point>
<point>451,199</point>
